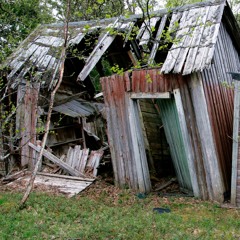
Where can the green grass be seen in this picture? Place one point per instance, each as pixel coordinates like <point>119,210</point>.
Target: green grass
<point>109,213</point>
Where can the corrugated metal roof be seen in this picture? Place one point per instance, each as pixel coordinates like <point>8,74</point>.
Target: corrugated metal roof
<point>76,108</point>
<point>195,27</point>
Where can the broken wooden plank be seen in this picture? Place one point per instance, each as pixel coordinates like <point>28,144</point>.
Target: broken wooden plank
<point>67,177</point>
<point>14,176</point>
<point>69,156</point>
<point>172,180</point>
<point>94,161</point>
<point>63,143</point>
<point>83,160</point>
<point>75,158</point>
<point>98,157</point>
<point>77,39</point>
<point>214,176</point>
<point>105,41</point>
<point>57,161</point>
<point>157,40</point>
<point>70,187</point>
<point>148,26</point>
<point>79,159</point>
<point>150,95</point>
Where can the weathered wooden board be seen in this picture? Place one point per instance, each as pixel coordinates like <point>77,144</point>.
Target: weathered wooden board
<point>94,161</point>
<point>63,184</point>
<point>50,41</point>
<point>76,39</point>
<point>76,108</point>
<point>28,122</point>
<point>146,30</point>
<point>83,160</point>
<point>235,153</point>
<point>105,40</point>
<point>149,95</point>
<point>157,40</point>
<point>57,161</point>
<point>196,36</point>
<point>138,147</point>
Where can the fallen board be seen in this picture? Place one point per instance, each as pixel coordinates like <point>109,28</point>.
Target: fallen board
<point>68,186</point>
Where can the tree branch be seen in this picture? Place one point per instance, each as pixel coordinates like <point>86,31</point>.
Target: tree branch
<point>47,127</point>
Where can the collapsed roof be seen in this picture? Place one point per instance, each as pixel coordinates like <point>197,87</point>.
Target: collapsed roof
<point>181,41</point>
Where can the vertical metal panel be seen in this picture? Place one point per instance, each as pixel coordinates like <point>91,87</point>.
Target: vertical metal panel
<point>194,136</point>
<point>219,96</point>
<point>212,167</point>
<point>137,148</point>
<point>125,139</point>
<point>187,142</point>
<point>170,119</point>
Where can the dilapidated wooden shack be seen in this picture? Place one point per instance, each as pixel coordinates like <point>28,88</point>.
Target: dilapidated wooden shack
<point>193,98</point>
<point>172,113</point>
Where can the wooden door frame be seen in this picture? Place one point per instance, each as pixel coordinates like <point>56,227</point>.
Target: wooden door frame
<point>139,152</point>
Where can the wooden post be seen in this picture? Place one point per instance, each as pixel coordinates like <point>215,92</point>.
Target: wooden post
<point>20,119</point>
<point>235,153</point>
<point>34,116</point>
<point>26,126</point>
<point>28,123</point>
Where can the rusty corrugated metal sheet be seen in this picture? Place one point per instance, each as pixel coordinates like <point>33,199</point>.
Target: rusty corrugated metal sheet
<point>128,170</point>
<point>76,108</point>
<point>201,154</point>
<point>114,96</point>
<point>219,95</point>
<point>152,81</point>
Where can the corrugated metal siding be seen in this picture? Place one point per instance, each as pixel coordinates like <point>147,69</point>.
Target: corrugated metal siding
<point>115,110</point>
<point>199,145</point>
<point>170,118</point>
<point>128,169</point>
<point>151,81</point>
<point>219,95</point>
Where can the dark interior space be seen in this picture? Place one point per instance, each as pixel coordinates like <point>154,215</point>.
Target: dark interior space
<point>157,149</point>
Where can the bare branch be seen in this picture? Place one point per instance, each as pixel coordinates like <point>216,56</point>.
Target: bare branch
<point>47,127</point>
